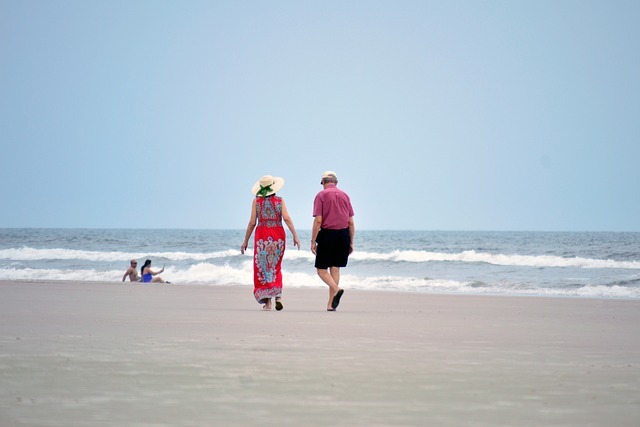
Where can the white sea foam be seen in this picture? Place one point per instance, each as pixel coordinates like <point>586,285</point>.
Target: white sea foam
<point>496,259</point>
<point>31,254</point>
<point>57,274</point>
<point>201,273</point>
<point>216,275</point>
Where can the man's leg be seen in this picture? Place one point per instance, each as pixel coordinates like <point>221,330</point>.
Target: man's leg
<point>328,279</point>
<point>335,275</point>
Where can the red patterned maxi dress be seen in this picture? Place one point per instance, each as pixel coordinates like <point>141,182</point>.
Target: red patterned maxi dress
<point>268,248</point>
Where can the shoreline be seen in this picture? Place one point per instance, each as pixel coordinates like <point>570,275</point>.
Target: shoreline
<point>78,353</point>
<point>322,286</point>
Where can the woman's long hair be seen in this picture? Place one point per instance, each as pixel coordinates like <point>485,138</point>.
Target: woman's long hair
<point>147,263</point>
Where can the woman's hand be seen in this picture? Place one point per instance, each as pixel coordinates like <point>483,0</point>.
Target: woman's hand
<point>243,248</point>
<point>296,242</point>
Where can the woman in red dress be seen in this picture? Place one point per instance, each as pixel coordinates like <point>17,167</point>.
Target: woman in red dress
<point>268,211</point>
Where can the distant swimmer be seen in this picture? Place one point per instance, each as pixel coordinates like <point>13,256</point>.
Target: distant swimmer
<point>131,272</point>
<point>148,274</point>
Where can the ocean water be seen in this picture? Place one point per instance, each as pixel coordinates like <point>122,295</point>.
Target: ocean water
<point>599,265</point>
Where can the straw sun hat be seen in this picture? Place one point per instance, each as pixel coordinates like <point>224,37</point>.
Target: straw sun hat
<point>267,185</point>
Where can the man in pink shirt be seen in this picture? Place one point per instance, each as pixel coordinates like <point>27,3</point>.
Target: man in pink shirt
<point>332,235</point>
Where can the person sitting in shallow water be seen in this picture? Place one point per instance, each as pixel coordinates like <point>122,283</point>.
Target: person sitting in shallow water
<point>148,274</point>
<point>131,272</point>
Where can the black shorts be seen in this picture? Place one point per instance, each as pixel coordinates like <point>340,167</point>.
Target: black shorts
<point>333,248</point>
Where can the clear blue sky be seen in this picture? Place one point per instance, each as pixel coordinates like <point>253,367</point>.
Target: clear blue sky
<point>438,115</point>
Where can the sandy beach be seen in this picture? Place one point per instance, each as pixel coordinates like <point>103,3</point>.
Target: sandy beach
<point>114,354</point>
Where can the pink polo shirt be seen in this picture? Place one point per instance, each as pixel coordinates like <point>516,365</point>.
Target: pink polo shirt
<point>335,207</point>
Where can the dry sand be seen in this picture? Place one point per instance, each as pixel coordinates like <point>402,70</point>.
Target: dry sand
<point>113,354</point>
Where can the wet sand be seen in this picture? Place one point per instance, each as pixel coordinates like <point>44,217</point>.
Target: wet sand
<point>114,354</point>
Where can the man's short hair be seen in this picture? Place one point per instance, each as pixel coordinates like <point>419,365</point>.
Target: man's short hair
<point>329,176</point>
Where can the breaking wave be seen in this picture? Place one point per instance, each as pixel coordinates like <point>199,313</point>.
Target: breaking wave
<point>207,274</point>
<point>398,256</point>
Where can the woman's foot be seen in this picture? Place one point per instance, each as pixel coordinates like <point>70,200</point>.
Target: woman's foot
<point>279,305</point>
